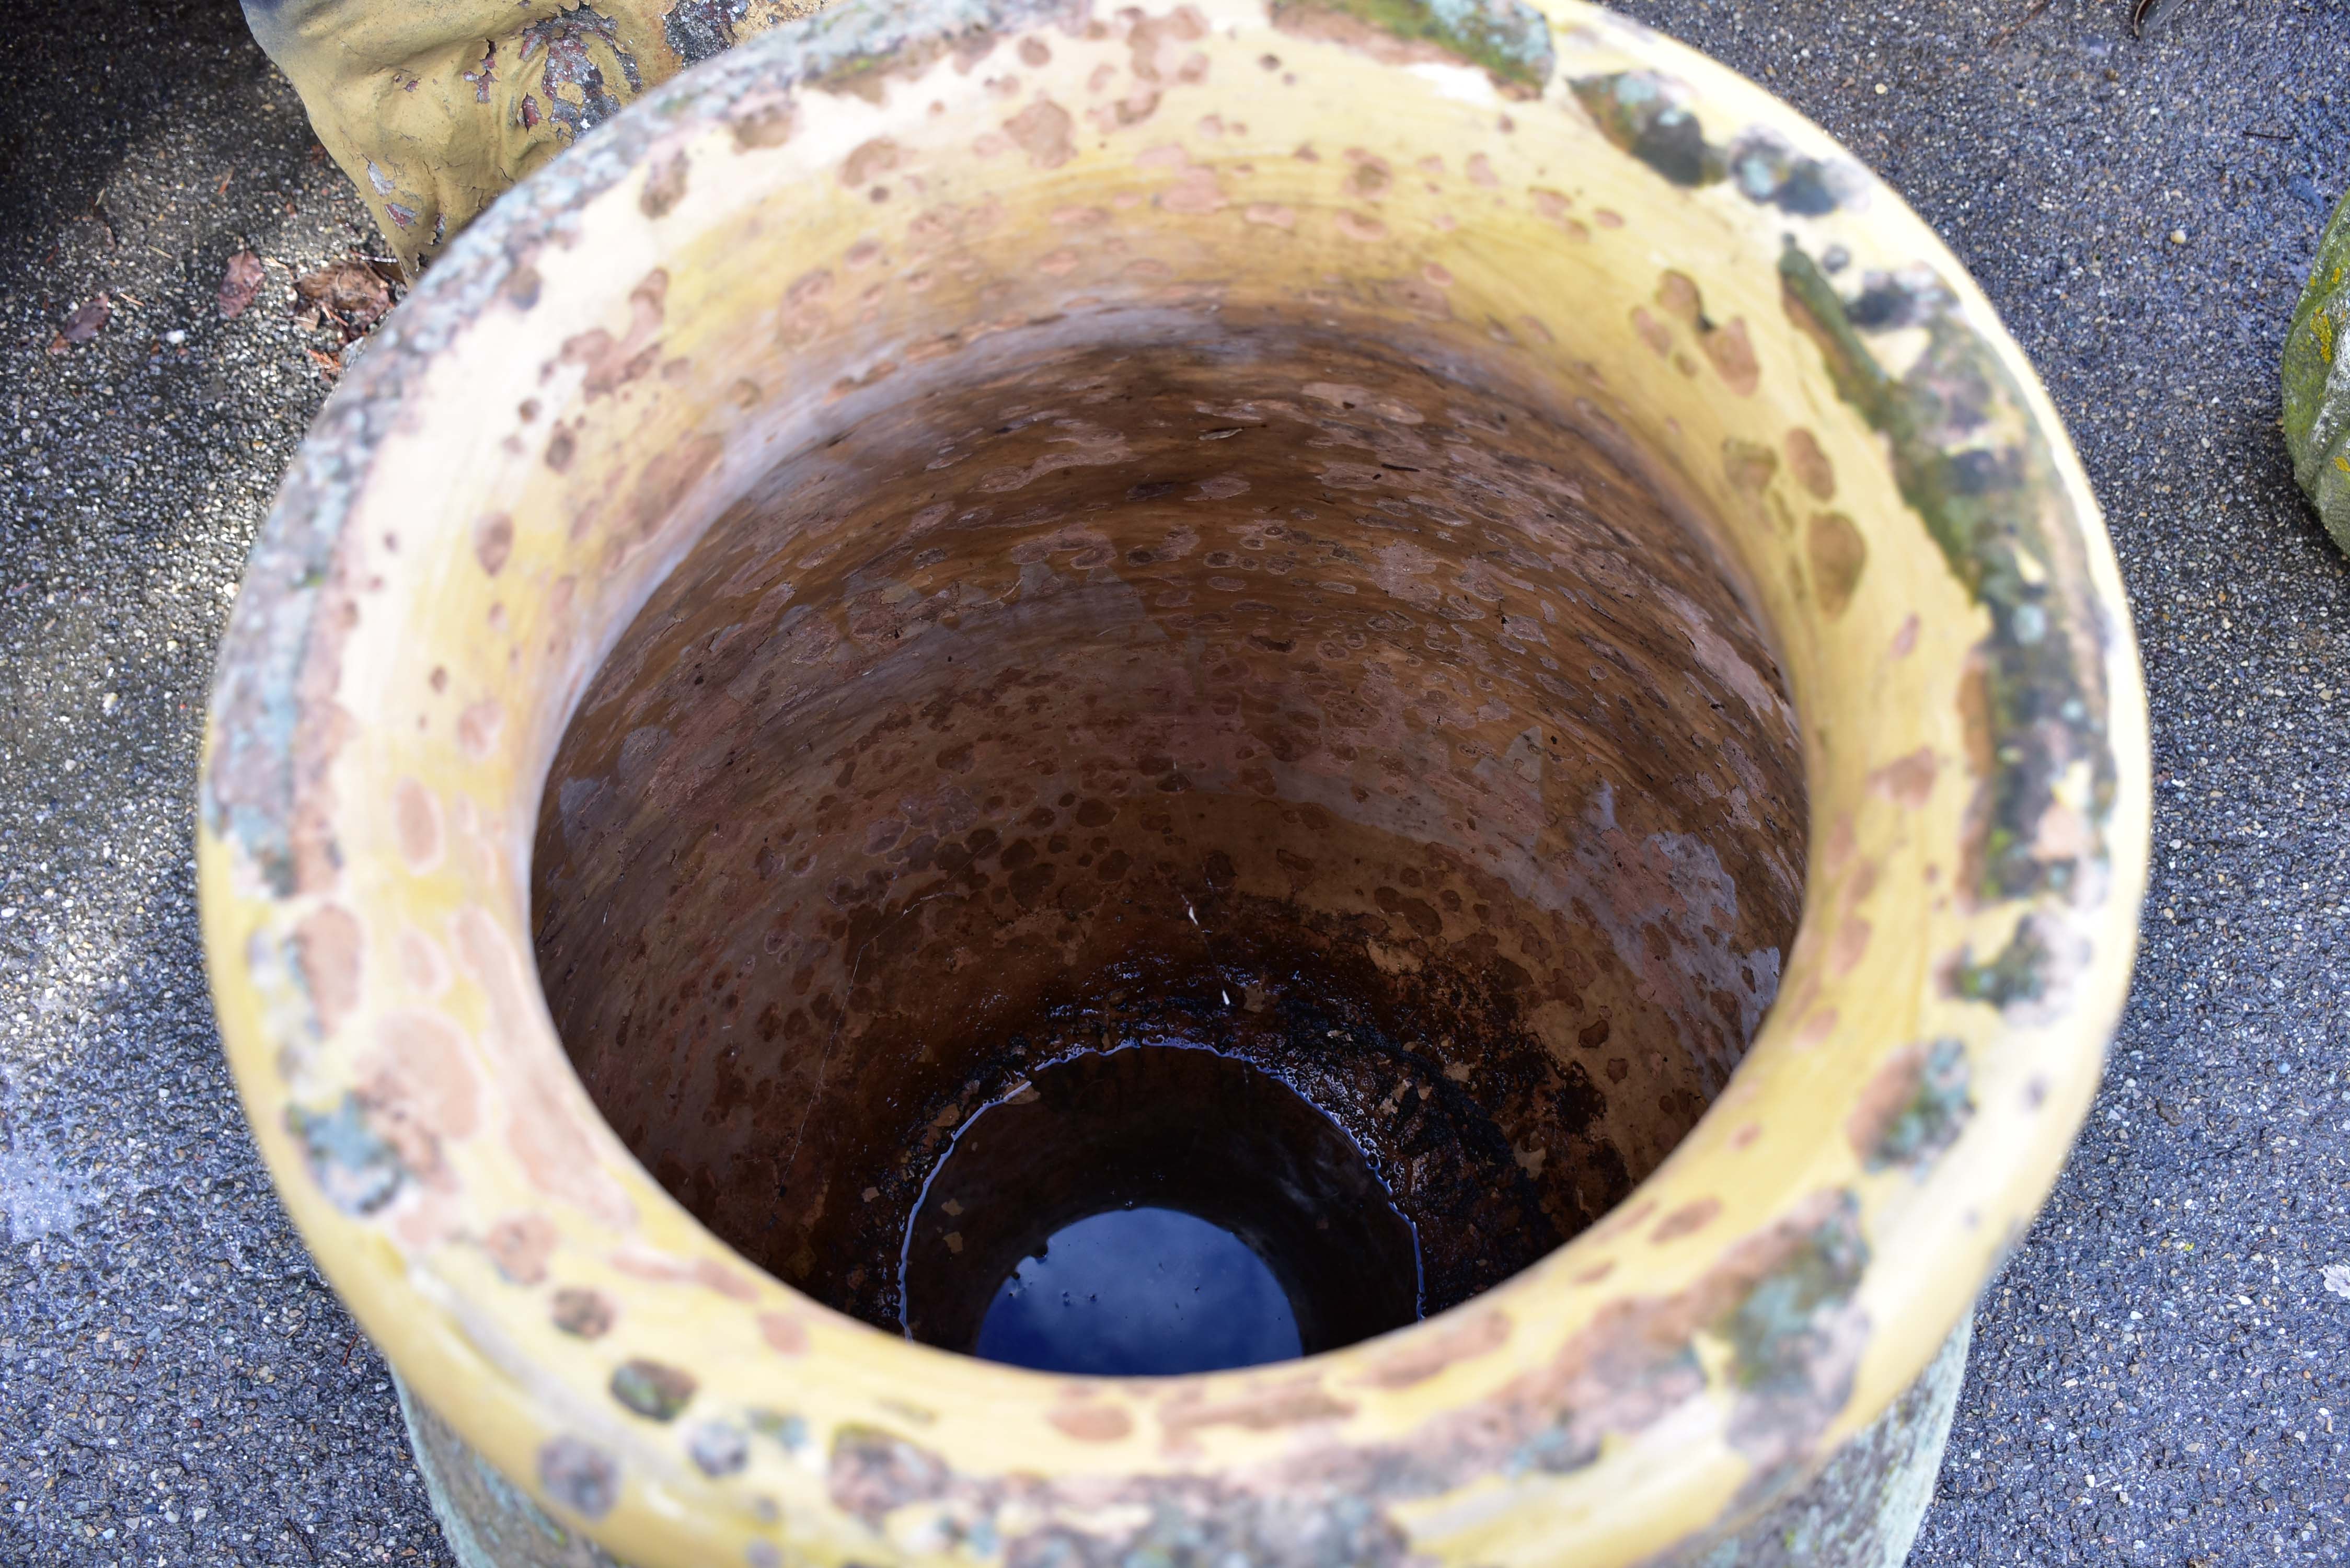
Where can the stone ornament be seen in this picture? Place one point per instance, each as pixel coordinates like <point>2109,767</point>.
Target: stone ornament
<point>2317,381</point>
<point>433,106</point>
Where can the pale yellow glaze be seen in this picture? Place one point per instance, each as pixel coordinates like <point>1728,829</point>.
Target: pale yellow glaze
<point>435,690</point>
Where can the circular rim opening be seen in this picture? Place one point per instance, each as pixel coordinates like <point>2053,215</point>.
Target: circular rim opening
<point>309,883</point>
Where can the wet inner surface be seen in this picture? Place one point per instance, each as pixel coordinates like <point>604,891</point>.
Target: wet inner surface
<point>1162,1126</point>
<point>1295,693</point>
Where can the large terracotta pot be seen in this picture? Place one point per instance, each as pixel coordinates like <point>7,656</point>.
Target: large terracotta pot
<point>1467,555</point>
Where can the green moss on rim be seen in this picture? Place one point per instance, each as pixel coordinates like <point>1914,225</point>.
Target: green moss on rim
<point>1970,460</point>
<point>1647,114</point>
<point>1508,39</point>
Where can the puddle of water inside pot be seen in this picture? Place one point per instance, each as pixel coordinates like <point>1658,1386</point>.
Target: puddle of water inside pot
<point>1140,1293</point>
<point>1155,1210</point>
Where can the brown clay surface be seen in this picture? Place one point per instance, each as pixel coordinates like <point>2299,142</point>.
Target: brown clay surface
<point>1284,690</point>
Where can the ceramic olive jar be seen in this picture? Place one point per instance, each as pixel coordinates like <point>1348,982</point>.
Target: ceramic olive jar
<point>1462,556</point>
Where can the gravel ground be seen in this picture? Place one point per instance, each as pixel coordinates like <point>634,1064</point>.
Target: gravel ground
<point>2161,1377</point>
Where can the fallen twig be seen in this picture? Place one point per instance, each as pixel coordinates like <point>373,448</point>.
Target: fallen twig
<point>2004,33</point>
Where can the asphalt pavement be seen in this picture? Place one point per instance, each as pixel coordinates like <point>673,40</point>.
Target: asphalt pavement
<point>2162,1374</point>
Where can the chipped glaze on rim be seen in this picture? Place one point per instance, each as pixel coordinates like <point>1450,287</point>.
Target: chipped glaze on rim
<point>1955,635</point>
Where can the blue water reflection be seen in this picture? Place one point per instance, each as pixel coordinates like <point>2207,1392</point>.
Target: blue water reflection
<point>1140,1292</point>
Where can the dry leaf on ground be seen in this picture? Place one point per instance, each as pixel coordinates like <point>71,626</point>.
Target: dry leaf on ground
<point>240,281</point>
<point>87,320</point>
<point>349,292</point>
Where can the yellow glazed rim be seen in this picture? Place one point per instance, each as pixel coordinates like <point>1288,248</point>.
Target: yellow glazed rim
<point>435,589</point>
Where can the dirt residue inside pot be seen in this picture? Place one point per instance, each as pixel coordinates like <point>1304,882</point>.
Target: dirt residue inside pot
<point>1274,691</point>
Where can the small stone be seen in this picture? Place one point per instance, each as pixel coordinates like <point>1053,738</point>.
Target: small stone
<point>1882,90</point>
<point>2178,236</point>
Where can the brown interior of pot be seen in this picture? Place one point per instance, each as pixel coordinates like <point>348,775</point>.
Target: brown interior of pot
<point>1281,688</point>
